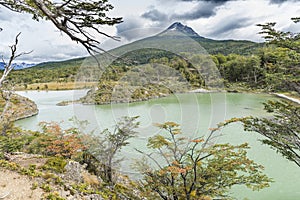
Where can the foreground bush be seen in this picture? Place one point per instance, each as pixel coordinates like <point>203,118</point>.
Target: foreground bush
<point>177,168</point>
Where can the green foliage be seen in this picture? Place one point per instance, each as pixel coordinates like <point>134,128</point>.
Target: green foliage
<point>243,63</point>
<point>56,164</point>
<point>115,192</point>
<point>108,145</point>
<point>281,68</point>
<point>284,61</point>
<point>237,68</point>
<point>46,187</point>
<point>227,47</point>
<point>84,188</point>
<point>271,69</point>
<point>66,71</point>
<point>280,38</point>
<point>9,165</point>
<point>282,131</point>
<point>16,139</point>
<point>12,108</point>
<point>31,171</point>
<point>179,168</point>
<point>160,77</point>
<point>34,186</point>
<point>54,196</point>
<point>54,141</point>
<point>44,74</point>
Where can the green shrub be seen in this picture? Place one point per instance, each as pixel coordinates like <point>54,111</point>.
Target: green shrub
<point>54,196</point>
<point>46,187</point>
<point>56,164</point>
<point>14,142</point>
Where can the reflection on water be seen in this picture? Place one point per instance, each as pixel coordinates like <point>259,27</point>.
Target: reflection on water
<point>196,113</point>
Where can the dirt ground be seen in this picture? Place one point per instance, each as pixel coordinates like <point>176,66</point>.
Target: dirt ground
<point>14,186</point>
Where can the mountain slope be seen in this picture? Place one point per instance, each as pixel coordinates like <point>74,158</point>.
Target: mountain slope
<point>178,39</point>
<point>179,27</point>
<point>18,66</point>
<point>242,47</point>
<point>175,35</point>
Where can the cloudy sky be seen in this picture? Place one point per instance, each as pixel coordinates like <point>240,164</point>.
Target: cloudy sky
<point>216,19</point>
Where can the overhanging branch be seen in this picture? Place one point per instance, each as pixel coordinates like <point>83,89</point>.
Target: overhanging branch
<point>76,18</point>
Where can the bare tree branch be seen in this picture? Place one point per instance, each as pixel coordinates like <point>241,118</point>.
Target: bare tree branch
<point>76,18</point>
<point>8,67</point>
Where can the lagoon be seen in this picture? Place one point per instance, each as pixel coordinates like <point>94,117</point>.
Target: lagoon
<point>196,112</point>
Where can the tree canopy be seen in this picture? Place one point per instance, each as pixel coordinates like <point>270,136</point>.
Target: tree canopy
<point>282,132</point>
<point>176,167</point>
<point>280,38</point>
<point>285,69</point>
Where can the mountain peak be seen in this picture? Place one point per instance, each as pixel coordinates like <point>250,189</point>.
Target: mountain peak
<point>17,66</point>
<point>177,26</point>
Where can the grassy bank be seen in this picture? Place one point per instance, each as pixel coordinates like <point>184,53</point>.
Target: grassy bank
<point>56,86</point>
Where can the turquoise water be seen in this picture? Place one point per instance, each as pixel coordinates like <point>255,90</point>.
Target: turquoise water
<point>196,113</point>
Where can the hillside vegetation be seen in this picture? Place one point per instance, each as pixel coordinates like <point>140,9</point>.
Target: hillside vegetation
<point>136,53</point>
<point>169,63</point>
<point>14,107</point>
<point>75,164</point>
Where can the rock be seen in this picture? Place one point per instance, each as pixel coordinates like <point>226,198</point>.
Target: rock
<point>4,195</point>
<point>25,160</point>
<point>19,107</point>
<point>93,197</point>
<point>64,103</point>
<point>73,172</point>
<point>233,91</point>
<point>75,197</point>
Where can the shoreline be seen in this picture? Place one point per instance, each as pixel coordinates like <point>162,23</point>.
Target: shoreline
<point>20,107</point>
<point>287,98</point>
<point>199,90</point>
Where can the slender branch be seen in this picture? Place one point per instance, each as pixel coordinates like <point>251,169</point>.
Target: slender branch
<point>75,18</point>
<point>150,157</point>
<point>8,67</point>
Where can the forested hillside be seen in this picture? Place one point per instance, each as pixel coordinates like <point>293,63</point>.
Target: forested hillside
<point>65,71</point>
<point>192,158</point>
<point>242,65</point>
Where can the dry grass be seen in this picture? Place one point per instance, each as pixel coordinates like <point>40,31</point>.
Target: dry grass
<point>293,95</point>
<point>57,86</point>
<point>91,180</point>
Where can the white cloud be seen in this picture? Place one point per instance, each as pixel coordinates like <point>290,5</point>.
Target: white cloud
<point>42,37</point>
<point>230,20</point>
<point>243,16</point>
